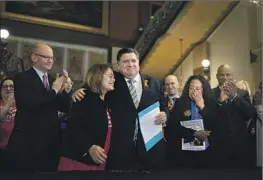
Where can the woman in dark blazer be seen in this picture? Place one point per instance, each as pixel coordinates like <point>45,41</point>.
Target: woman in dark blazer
<point>88,133</point>
<point>196,102</point>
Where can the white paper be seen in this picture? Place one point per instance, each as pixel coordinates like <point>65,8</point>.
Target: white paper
<point>151,132</point>
<point>194,144</point>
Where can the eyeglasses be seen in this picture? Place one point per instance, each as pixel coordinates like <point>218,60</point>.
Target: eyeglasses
<point>8,86</point>
<point>45,57</point>
<point>70,83</point>
<point>195,88</point>
<point>111,76</point>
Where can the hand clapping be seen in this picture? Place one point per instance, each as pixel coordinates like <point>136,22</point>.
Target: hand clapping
<point>228,90</point>
<point>58,83</point>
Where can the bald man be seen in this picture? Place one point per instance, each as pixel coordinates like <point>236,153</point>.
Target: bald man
<point>171,85</point>
<point>230,133</point>
<point>34,142</point>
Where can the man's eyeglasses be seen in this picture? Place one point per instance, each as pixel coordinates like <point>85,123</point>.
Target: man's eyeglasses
<point>8,86</point>
<point>45,57</point>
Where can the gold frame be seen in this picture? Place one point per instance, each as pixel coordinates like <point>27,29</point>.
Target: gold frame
<point>54,23</point>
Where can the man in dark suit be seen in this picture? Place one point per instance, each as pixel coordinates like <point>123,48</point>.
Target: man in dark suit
<point>34,142</point>
<point>133,93</point>
<point>171,86</point>
<point>230,133</point>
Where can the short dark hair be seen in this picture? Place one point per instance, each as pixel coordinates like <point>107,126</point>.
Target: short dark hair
<point>125,51</point>
<point>94,77</point>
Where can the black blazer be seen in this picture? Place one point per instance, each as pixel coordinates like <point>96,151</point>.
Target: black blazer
<point>231,129</point>
<point>123,153</point>
<point>34,142</point>
<point>87,126</point>
<point>175,132</point>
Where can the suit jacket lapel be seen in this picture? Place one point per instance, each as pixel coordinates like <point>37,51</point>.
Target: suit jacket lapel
<point>187,108</point>
<point>143,79</point>
<point>217,92</point>
<point>38,82</point>
<point>50,80</point>
<point>121,83</point>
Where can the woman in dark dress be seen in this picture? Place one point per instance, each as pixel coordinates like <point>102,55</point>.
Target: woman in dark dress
<point>88,133</point>
<point>196,103</point>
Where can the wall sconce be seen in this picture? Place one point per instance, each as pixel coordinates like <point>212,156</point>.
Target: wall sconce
<point>3,35</point>
<point>4,54</point>
<point>206,68</point>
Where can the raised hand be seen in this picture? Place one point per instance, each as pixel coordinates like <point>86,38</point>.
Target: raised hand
<point>58,83</point>
<point>228,90</point>
<point>198,98</point>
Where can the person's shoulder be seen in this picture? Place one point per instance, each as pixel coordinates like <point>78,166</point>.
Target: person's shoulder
<point>24,74</point>
<point>145,76</point>
<point>242,92</point>
<point>90,97</point>
<point>183,98</point>
<point>215,88</point>
<point>150,78</point>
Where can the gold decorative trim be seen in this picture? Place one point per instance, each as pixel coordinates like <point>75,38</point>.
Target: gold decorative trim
<point>65,25</point>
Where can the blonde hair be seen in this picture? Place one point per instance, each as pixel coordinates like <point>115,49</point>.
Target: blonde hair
<point>94,77</point>
<point>244,86</point>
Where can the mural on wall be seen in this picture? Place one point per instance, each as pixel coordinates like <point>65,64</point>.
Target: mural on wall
<point>26,49</point>
<point>75,64</point>
<point>76,59</point>
<point>97,58</point>
<point>89,16</point>
<point>58,61</point>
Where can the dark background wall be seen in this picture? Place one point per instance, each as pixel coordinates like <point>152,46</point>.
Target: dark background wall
<point>125,18</point>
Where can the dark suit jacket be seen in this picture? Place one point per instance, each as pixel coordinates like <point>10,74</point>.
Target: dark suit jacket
<point>175,132</point>
<point>87,126</point>
<point>34,142</point>
<point>231,129</point>
<point>123,153</point>
<point>167,103</point>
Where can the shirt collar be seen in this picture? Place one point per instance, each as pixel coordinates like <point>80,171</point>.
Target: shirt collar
<point>39,73</point>
<point>137,78</point>
<point>172,97</point>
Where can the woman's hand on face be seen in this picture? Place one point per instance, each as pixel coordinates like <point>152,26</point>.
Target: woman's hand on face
<point>198,98</point>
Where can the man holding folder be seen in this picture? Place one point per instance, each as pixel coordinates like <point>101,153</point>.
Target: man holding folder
<point>133,93</point>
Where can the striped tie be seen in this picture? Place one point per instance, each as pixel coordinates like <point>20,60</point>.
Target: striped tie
<point>45,81</point>
<point>136,103</point>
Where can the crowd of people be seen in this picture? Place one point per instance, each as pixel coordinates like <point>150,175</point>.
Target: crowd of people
<point>46,127</point>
